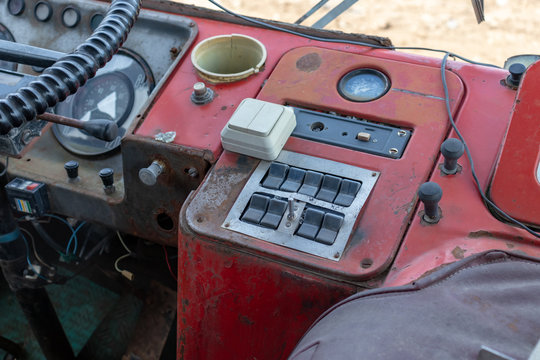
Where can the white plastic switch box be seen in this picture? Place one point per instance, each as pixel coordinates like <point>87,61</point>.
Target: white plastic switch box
<point>259,129</point>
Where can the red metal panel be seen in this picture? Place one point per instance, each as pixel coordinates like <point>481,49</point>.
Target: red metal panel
<point>466,227</point>
<point>515,188</point>
<point>233,305</point>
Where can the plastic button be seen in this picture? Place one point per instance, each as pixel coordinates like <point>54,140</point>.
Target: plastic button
<point>329,188</point>
<point>32,186</point>
<point>312,182</point>
<point>275,176</point>
<point>275,212</point>
<point>312,223</point>
<point>256,208</point>
<point>329,229</point>
<point>347,192</point>
<point>294,180</point>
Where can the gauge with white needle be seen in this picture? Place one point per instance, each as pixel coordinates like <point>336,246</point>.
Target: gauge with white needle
<point>117,93</point>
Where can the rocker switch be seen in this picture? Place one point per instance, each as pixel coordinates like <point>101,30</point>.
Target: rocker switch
<point>312,223</point>
<point>329,229</point>
<point>294,180</point>
<point>275,176</point>
<point>256,208</point>
<point>329,188</point>
<point>347,192</point>
<point>312,182</point>
<point>276,209</point>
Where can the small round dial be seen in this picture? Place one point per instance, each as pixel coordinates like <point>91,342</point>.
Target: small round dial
<point>109,96</point>
<point>16,7</point>
<point>362,85</point>
<point>116,93</point>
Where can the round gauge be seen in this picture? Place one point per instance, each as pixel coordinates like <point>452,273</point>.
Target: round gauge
<point>108,97</point>
<point>71,17</point>
<point>16,7</point>
<point>116,93</point>
<point>363,85</point>
<point>6,35</point>
<point>43,11</point>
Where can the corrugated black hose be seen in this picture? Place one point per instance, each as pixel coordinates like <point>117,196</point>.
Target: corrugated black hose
<point>72,71</point>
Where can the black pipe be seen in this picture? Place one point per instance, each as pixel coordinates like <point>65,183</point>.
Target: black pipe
<point>34,302</point>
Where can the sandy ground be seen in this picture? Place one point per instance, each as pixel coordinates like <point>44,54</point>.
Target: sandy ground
<point>512,26</point>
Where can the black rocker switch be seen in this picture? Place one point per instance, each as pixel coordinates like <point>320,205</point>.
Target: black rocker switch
<point>452,149</point>
<point>430,193</point>
<point>107,177</point>
<point>72,169</point>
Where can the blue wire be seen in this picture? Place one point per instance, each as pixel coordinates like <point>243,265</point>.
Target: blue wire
<point>28,259</point>
<point>74,237</point>
<point>73,232</point>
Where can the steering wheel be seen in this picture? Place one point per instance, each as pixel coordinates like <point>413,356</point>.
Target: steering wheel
<point>72,71</point>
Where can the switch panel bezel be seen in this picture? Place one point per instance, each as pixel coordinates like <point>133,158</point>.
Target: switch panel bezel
<point>284,235</point>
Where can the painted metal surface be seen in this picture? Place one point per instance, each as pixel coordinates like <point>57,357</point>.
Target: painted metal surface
<point>516,183</point>
<point>466,227</point>
<point>241,297</point>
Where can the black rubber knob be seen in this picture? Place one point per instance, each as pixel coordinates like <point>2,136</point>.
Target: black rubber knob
<point>72,169</point>
<point>430,193</point>
<point>516,73</point>
<point>107,176</point>
<point>452,149</point>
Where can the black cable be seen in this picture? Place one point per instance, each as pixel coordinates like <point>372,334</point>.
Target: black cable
<point>342,41</point>
<point>445,87</point>
<point>46,237</point>
<point>469,156</point>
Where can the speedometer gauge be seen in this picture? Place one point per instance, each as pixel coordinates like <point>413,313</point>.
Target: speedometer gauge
<point>362,85</point>
<point>116,93</point>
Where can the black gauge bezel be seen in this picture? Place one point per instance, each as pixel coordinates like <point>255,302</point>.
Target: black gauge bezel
<point>18,11</point>
<point>98,147</point>
<point>77,12</point>
<point>354,73</point>
<point>48,6</point>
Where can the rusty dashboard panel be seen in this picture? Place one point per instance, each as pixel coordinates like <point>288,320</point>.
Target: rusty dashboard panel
<point>123,91</point>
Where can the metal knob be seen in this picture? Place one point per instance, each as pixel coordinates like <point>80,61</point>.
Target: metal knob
<point>516,73</point>
<point>149,175</point>
<point>107,177</point>
<point>72,169</point>
<point>430,193</point>
<point>452,149</point>
<point>201,94</point>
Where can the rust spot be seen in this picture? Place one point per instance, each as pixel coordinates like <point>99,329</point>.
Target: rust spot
<point>245,320</point>
<point>309,62</point>
<point>480,234</point>
<point>458,253</point>
<point>223,108</point>
<point>513,327</point>
<point>174,52</point>
<point>510,245</point>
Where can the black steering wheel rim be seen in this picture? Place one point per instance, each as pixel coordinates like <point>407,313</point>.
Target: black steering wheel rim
<point>72,71</point>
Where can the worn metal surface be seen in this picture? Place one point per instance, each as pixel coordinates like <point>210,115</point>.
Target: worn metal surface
<point>467,227</point>
<point>286,237</point>
<point>233,305</point>
<point>516,184</point>
<point>174,110</point>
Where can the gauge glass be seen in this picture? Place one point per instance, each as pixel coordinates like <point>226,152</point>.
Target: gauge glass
<point>71,17</point>
<point>116,93</point>
<point>363,85</point>
<point>6,35</point>
<point>43,11</point>
<point>16,7</point>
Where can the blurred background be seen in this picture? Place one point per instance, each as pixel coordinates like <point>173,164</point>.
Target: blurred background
<point>512,27</point>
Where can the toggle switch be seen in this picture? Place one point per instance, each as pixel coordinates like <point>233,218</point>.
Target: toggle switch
<point>329,188</point>
<point>276,175</point>
<point>347,192</point>
<point>294,180</point>
<point>312,182</point>
<point>312,222</point>
<point>256,208</point>
<point>329,229</point>
<point>276,209</point>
